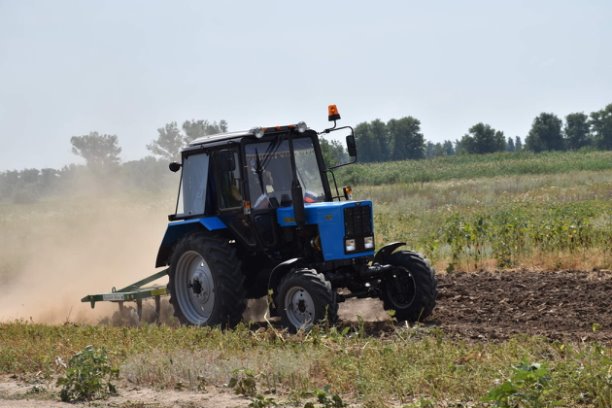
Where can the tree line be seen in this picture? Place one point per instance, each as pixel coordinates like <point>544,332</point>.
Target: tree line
<point>377,141</point>
<point>103,169</point>
<point>401,139</point>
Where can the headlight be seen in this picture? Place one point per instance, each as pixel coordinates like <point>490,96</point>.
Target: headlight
<point>349,245</point>
<point>368,242</point>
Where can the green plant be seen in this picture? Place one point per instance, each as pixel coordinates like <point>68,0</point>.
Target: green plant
<point>88,376</point>
<point>243,382</point>
<point>528,387</point>
<point>420,403</point>
<point>261,401</point>
<point>327,400</point>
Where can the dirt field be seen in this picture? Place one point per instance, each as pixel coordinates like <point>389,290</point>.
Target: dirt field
<point>567,305</point>
<point>480,306</point>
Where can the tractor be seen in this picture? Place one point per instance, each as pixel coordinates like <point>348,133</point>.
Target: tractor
<point>259,213</point>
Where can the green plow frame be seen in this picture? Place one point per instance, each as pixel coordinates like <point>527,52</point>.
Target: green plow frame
<point>134,293</point>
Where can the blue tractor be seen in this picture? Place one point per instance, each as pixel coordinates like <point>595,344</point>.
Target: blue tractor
<point>256,216</point>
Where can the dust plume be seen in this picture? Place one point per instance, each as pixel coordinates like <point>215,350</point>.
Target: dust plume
<point>55,252</point>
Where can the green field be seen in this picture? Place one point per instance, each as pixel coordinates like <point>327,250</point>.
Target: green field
<point>469,212</point>
<point>502,211</point>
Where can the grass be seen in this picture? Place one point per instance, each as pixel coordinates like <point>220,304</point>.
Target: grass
<point>476,166</point>
<point>547,221</point>
<point>405,365</point>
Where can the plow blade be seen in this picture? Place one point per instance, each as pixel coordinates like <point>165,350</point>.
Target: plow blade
<point>133,293</point>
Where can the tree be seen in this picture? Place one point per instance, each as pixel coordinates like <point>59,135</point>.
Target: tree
<point>545,133</point>
<point>430,150</point>
<point>198,128</point>
<point>510,145</point>
<point>99,151</point>
<point>168,143</point>
<point>601,123</point>
<point>380,138</point>
<point>170,139</point>
<point>436,149</point>
<point>406,139</point>
<point>447,147</point>
<point>372,141</point>
<point>576,131</point>
<point>333,152</point>
<point>518,144</point>
<point>482,138</point>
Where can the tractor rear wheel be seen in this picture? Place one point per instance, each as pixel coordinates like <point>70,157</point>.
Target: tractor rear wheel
<point>304,298</point>
<point>206,283</point>
<point>409,289</point>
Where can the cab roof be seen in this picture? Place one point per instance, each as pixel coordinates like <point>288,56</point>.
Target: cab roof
<point>236,137</point>
<point>221,137</point>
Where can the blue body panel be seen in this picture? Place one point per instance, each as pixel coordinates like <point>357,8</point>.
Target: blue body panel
<point>329,216</point>
<point>178,229</point>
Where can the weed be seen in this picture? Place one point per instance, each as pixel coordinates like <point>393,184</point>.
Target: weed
<point>420,403</point>
<point>88,376</point>
<point>527,388</point>
<point>243,382</point>
<point>326,399</point>
<point>261,401</point>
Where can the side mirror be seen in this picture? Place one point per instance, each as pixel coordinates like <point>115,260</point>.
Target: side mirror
<point>174,167</point>
<point>351,146</point>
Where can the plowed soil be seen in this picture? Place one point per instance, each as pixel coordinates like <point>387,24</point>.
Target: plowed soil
<point>563,305</point>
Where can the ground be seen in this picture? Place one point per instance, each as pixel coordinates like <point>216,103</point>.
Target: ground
<point>475,306</point>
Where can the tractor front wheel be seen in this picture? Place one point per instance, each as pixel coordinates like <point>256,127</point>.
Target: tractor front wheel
<point>410,288</point>
<point>206,283</point>
<point>304,298</point>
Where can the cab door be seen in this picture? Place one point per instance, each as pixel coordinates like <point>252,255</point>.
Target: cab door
<point>229,188</point>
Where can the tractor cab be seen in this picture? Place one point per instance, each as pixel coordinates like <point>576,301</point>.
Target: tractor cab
<point>257,183</point>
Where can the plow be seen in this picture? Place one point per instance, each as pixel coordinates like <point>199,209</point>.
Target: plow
<point>136,292</point>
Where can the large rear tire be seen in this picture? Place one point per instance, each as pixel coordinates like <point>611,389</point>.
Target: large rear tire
<point>409,289</point>
<point>206,283</point>
<point>305,298</point>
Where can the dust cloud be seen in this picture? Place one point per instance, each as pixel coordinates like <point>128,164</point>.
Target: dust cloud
<point>54,253</point>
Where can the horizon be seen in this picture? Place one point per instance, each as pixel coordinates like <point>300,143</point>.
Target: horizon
<point>70,68</point>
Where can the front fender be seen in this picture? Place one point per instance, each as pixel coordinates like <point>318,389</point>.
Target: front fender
<point>176,230</point>
<point>386,251</point>
<point>281,269</point>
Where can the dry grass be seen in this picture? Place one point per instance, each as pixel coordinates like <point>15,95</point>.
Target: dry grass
<point>399,366</point>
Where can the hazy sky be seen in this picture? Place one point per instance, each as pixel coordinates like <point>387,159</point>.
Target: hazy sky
<point>129,67</point>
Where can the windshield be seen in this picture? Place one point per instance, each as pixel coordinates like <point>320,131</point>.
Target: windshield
<point>270,172</point>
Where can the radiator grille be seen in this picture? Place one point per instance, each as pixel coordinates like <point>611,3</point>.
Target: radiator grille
<point>358,221</point>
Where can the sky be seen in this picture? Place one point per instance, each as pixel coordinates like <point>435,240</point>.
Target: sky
<point>128,67</point>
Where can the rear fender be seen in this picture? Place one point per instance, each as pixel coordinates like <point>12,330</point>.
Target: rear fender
<point>178,229</point>
<point>385,251</point>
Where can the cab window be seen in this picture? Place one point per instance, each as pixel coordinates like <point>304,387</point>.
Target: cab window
<point>228,179</point>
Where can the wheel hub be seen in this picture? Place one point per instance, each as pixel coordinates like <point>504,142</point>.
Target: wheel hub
<point>195,287</point>
<point>200,286</point>
<point>300,307</point>
<point>400,287</point>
